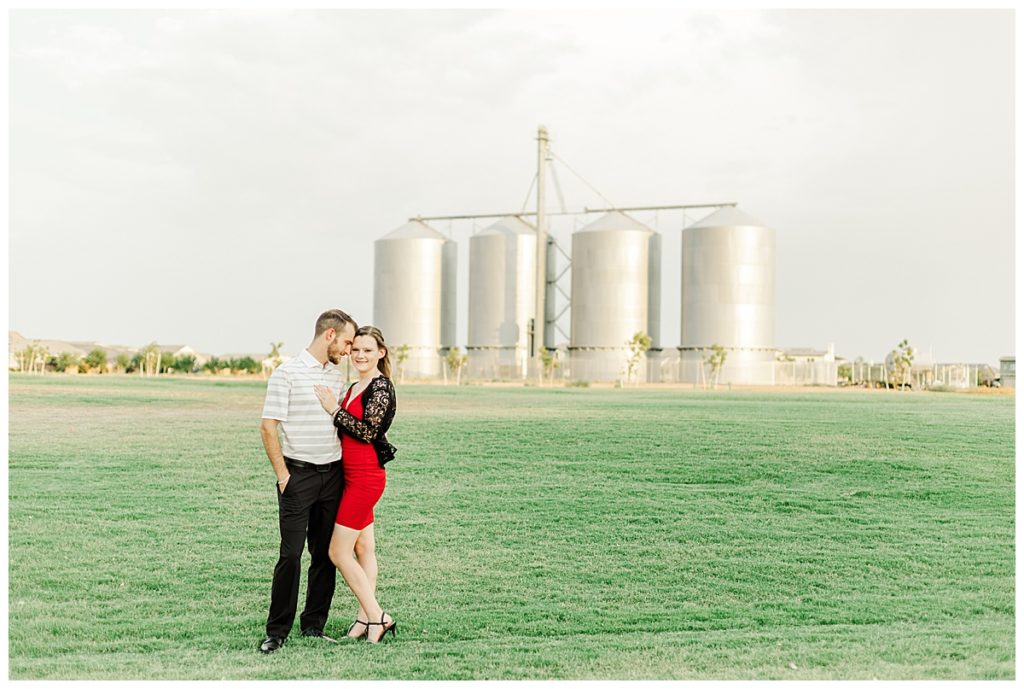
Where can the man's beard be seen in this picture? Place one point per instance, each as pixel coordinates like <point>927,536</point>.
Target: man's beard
<point>334,357</point>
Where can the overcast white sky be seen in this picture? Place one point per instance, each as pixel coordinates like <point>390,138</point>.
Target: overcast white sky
<point>218,178</point>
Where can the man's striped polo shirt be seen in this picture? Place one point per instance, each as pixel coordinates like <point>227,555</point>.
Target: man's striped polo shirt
<point>309,433</point>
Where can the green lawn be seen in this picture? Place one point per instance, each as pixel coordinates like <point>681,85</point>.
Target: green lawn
<point>526,533</point>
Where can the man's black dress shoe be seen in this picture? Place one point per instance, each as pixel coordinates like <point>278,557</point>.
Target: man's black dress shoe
<point>271,644</point>
<point>312,631</point>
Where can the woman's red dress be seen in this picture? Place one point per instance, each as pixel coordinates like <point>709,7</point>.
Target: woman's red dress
<point>363,476</point>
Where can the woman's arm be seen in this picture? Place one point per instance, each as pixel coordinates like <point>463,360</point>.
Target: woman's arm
<point>379,398</point>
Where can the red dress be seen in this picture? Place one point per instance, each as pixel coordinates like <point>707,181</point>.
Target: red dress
<point>363,476</point>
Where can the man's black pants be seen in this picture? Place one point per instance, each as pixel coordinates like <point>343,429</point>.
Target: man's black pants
<point>308,506</point>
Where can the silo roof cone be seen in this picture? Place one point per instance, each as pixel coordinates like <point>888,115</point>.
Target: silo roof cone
<point>729,216</point>
<point>509,225</point>
<point>415,229</point>
<point>616,221</point>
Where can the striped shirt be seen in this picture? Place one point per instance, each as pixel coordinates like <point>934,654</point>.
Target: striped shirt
<point>309,433</point>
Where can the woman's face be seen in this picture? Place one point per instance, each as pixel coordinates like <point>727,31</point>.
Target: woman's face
<point>365,353</point>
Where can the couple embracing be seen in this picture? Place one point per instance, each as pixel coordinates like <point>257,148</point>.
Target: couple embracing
<point>328,450</point>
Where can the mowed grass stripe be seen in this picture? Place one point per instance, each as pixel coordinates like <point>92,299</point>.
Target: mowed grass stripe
<point>542,533</point>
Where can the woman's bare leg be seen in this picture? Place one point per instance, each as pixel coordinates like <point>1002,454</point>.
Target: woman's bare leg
<point>342,550</point>
<point>366,556</point>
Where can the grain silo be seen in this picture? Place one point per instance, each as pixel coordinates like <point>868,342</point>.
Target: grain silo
<point>655,356</point>
<point>728,297</point>
<point>613,262</point>
<point>502,286</point>
<point>414,296</point>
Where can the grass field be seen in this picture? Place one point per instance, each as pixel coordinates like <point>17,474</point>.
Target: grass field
<point>526,533</point>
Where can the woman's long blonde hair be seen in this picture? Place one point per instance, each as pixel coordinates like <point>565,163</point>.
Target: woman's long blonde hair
<point>384,363</point>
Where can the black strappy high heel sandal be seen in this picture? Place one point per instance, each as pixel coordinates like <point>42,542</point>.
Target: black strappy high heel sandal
<point>365,631</point>
<point>393,627</point>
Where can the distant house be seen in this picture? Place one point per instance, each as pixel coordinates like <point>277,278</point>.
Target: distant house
<point>805,366</point>
<point>236,355</point>
<point>175,350</point>
<point>112,351</point>
<point>178,350</point>
<point>55,347</point>
<point>17,343</point>
<point>1008,371</point>
<point>807,354</point>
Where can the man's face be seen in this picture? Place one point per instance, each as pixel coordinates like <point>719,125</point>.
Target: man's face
<point>341,345</point>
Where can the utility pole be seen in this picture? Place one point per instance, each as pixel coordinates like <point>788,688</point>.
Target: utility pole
<point>540,313</point>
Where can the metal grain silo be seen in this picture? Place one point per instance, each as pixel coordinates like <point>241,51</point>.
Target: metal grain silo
<point>612,260</point>
<point>502,285</point>
<point>449,266</point>
<point>728,297</point>
<point>413,295</point>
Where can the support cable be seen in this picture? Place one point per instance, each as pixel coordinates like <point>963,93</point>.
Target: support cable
<point>558,188</point>
<point>580,177</point>
<point>528,193</point>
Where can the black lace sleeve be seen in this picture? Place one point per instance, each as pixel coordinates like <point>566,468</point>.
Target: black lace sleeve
<point>380,399</point>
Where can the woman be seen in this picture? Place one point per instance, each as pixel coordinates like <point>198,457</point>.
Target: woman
<point>362,418</point>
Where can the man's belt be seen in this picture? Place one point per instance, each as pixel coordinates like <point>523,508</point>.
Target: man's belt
<point>322,468</point>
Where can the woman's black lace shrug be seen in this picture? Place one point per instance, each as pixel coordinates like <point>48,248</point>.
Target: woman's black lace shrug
<point>379,405</point>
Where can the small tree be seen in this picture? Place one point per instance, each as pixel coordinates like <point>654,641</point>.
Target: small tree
<point>64,361</point>
<point>213,365</point>
<point>456,361</point>
<point>33,358</point>
<point>42,356</point>
<point>639,344</point>
<point>845,372</point>
<point>124,363</point>
<point>715,361</point>
<point>24,356</point>
<point>168,362</point>
<point>549,362</point>
<point>401,356</point>
<point>150,360</point>
<point>96,359</point>
<point>902,358</point>
<point>273,359</point>
<point>185,363</point>
<point>245,364</point>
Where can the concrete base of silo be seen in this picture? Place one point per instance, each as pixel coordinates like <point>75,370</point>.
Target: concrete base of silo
<point>807,373</point>
<point>741,367</point>
<point>497,363</point>
<point>421,363</point>
<point>604,364</point>
<point>660,366</point>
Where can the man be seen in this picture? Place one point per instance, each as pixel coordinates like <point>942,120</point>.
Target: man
<point>308,468</point>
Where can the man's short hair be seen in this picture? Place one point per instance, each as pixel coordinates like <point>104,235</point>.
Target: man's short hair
<point>335,318</point>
